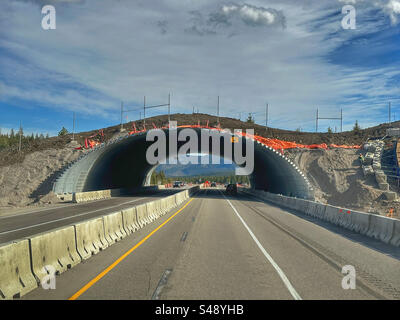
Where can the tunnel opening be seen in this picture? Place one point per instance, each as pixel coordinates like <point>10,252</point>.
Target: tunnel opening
<point>217,171</point>
<point>124,164</point>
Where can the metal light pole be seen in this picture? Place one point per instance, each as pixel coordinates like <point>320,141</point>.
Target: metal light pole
<point>20,137</point>
<point>169,107</point>
<point>73,127</point>
<point>341,120</point>
<point>122,112</point>
<point>218,111</point>
<point>144,113</point>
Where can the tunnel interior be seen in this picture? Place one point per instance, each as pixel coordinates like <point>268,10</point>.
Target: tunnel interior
<point>124,165</point>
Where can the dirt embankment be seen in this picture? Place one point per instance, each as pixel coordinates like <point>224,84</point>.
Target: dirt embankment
<point>337,179</point>
<point>11,155</point>
<point>26,177</point>
<point>335,174</point>
<point>30,182</point>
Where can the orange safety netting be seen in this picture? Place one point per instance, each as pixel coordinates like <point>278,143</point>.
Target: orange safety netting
<point>284,145</point>
<point>275,144</point>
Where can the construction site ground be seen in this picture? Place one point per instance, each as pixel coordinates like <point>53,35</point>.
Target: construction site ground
<point>337,178</point>
<point>26,178</point>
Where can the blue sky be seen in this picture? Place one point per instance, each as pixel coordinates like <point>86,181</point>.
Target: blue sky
<point>293,54</point>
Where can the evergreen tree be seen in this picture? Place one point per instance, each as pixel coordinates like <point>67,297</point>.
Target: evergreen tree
<point>62,132</point>
<point>250,119</point>
<point>356,128</point>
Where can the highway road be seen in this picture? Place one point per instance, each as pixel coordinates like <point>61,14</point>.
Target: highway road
<point>223,247</point>
<point>26,224</point>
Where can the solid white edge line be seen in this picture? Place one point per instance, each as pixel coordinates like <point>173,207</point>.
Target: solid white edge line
<point>67,218</point>
<point>281,274</point>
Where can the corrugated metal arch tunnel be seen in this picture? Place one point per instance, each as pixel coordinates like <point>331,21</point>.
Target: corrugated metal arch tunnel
<point>124,165</point>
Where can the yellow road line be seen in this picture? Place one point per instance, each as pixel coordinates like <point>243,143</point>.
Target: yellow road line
<point>120,259</point>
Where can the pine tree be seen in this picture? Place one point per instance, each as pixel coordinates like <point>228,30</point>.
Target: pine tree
<point>62,132</point>
<point>356,128</point>
<point>250,119</point>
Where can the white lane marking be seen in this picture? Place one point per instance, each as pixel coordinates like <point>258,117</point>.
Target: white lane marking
<point>281,274</point>
<point>12,215</point>
<point>66,218</point>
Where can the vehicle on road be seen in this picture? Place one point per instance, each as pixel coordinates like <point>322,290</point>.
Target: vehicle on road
<point>213,185</point>
<point>177,184</point>
<point>231,189</point>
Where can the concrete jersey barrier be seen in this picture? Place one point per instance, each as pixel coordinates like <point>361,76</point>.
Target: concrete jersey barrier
<point>396,234</point>
<point>90,237</point>
<point>55,249</point>
<point>129,217</point>
<point>381,228</point>
<point>78,197</point>
<point>114,227</point>
<point>360,221</point>
<point>24,264</point>
<point>16,278</point>
<point>142,215</point>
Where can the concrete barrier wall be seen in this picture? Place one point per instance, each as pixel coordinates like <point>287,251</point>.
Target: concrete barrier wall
<point>381,228</point>
<point>360,221</point>
<point>56,249</point>
<point>345,218</point>
<point>114,227</point>
<point>158,209</point>
<point>131,224</point>
<point>396,234</point>
<point>78,197</point>
<point>179,198</point>
<point>168,203</point>
<point>151,210</point>
<point>23,264</point>
<point>165,205</point>
<point>16,278</point>
<point>320,211</point>
<point>90,237</point>
<point>142,215</point>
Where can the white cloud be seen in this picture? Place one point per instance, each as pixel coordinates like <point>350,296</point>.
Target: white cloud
<point>118,53</point>
<point>393,9</point>
<point>253,15</point>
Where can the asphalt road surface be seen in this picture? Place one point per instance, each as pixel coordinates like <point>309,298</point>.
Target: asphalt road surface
<point>223,247</point>
<point>22,225</point>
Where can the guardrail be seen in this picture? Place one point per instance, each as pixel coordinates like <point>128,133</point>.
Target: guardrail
<point>381,228</point>
<point>25,263</point>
